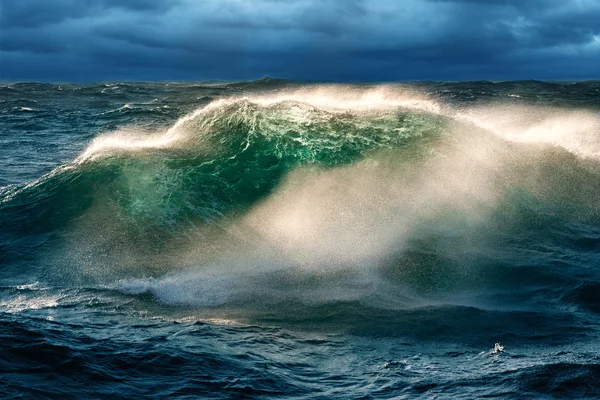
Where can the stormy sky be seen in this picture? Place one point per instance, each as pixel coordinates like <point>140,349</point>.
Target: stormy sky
<point>328,40</point>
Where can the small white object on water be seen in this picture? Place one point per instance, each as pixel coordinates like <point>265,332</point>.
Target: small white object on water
<point>498,348</point>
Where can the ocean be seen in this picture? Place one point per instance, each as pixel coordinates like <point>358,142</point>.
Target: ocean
<point>275,239</point>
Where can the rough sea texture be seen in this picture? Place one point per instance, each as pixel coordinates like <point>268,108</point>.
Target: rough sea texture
<point>270,239</point>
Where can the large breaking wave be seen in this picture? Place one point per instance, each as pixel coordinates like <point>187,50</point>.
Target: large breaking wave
<point>321,194</point>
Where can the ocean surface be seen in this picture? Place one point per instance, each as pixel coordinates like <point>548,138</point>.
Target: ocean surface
<point>271,239</point>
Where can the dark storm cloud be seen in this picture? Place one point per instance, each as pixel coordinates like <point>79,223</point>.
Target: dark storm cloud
<point>304,39</point>
<point>35,13</point>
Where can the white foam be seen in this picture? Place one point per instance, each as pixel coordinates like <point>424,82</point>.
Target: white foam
<point>577,131</point>
<point>126,141</point>
<point>186,287</point>
<point>20,303</point>
<point>498,348</point>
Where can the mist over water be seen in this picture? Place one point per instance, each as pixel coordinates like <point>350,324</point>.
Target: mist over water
<point>394,231</point>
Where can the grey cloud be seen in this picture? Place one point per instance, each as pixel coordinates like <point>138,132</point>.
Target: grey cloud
<point>36,13</point>
<point>304,39</point>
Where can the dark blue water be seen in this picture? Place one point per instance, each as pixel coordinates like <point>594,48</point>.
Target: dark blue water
<point>273,239</point>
